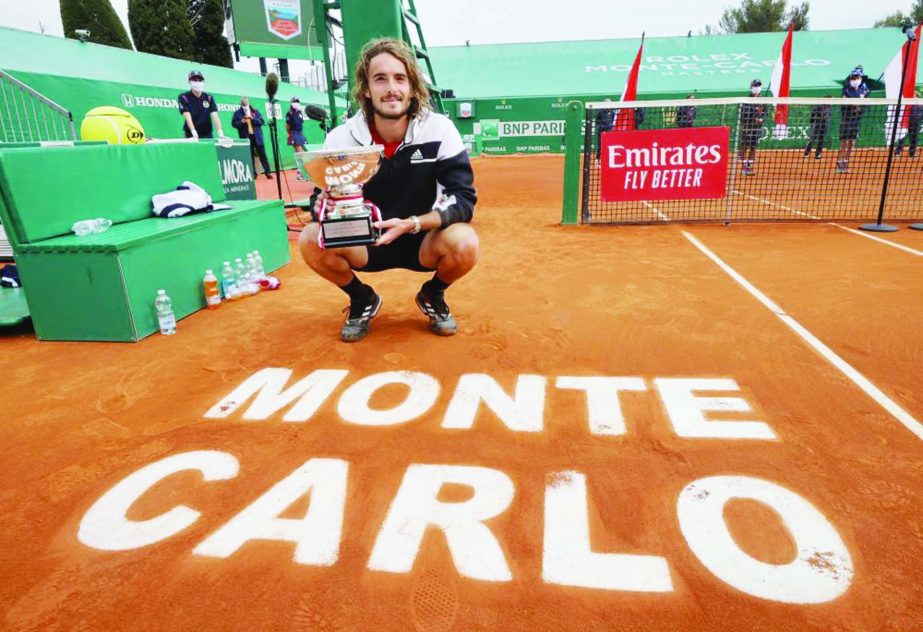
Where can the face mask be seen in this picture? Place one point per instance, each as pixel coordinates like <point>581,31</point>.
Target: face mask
<point>855,82</point>
<point>296,105</point>
<point>755,91</point>
<point>198,86</point>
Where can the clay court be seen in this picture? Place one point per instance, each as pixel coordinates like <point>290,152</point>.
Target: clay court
<point>806,341</point>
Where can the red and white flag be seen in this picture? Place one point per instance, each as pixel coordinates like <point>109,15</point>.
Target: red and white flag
<point>779,85</point>
<point>626,116</point>
<point>892,77</point>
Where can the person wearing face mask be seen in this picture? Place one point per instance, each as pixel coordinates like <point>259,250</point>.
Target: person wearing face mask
<point>424,188</point>
<point>294,125</point>
<point>199,110</point>
<point>249,124</point>
<point>850,118</point>
<point>752,116</point>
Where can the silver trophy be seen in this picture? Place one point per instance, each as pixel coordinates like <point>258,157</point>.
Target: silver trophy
<point>346,217</point>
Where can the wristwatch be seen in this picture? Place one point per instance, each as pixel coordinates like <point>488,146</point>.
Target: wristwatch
<point>416,224</point>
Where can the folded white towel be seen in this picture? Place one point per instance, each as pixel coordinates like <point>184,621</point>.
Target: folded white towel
<point>188,198</point>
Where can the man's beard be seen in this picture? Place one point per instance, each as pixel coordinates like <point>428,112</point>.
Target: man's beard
<point>393,116</point>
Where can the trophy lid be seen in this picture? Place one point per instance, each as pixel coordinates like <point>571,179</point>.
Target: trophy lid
<point>328,168</point>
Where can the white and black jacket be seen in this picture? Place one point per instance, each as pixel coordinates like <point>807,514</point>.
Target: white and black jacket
<point>429,171</point>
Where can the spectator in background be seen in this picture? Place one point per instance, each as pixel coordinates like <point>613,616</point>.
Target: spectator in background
<point>820,123</point>
<point>916,119</point>
<point>639,117</point>
<point>249,125</point>
<point>685,116</point>
<point>199,110</point>
<point>752,116</point>
<point>605,121</point>
<point>294,125</point>
<point>850,117</point>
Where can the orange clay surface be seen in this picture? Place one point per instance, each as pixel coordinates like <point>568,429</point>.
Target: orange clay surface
<point>546,300</point>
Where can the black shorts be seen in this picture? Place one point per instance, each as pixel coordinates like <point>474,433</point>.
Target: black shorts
<point>750,138</point>
<point>403,252</point>
<point>849,129</point>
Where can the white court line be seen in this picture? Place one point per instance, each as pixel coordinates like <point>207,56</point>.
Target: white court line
<point>842,365</point>
<point>781,206</point>
<point>660,214</point>
<point>852,230</point>
<point>884,241</point>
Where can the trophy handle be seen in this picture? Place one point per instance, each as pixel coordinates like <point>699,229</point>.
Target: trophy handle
<point>375,212</point>
<point>320,219</point>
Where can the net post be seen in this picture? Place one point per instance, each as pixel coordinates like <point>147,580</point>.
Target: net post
<point>878,226</point>
<point>733,147</point>
<point>572,137</point>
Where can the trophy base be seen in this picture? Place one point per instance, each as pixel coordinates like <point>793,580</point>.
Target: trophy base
<point>340,232</point>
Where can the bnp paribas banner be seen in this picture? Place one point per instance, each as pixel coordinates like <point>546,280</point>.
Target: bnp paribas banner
<point>511,126</point>
<point>275,28</point>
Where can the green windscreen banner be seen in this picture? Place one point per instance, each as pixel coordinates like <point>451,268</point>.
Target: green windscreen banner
<point>275,28</point>
<point>81,76</point>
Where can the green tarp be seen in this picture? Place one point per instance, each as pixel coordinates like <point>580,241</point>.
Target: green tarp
<point>719,65</point>
<point>81,76</point>
<point>511,98</point>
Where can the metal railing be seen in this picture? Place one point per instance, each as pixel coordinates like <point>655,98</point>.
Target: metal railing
<point>26,116</point>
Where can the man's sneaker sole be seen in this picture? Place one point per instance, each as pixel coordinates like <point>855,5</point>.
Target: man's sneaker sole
<point>441,327</point>
<point>358,332</point>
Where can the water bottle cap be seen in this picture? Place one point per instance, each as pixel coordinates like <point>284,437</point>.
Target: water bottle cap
<point>207,272</point>
<point>227,263</point>
<point>237,259</point>
<point>159,292</point>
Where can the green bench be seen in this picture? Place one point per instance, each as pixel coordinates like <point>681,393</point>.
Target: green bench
<point>102,286</point>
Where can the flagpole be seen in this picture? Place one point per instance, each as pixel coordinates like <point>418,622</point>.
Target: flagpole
<point>878,227</point>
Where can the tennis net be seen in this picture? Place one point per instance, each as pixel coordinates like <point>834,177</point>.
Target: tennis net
<point>658,161</point>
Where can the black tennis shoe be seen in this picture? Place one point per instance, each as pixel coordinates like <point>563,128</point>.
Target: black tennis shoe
<point>356,326</point>
<point>440,318</point>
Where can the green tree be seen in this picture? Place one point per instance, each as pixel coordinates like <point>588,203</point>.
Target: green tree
<point>161,27</point>
<point>899,18</point>
<point>207,19</point>
<point>96,16</point>
<point>761,16</point>
<point>895,19</point>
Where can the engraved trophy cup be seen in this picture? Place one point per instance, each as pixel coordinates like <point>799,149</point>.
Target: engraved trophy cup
<point>346,217</point>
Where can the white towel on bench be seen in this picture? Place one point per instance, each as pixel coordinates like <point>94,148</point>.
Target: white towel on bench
<point>188,198</point>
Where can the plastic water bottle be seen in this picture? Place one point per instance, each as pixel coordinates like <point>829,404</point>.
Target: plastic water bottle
<point>240,272</point>
<point>228,281</point>
<point>165,316</point>
<point>212,293</point>
<point>253,273</point>
<point>259,265</point>
<point>91,226</point>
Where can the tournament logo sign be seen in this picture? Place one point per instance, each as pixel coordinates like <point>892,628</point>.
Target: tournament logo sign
<point>283,18</point>
<point>668,164</point>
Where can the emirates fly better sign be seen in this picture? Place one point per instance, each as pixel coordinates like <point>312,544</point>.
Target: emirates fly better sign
<point>667,164</point>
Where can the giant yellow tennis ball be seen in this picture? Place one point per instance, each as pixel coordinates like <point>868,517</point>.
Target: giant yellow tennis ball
<point>113,125</point>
